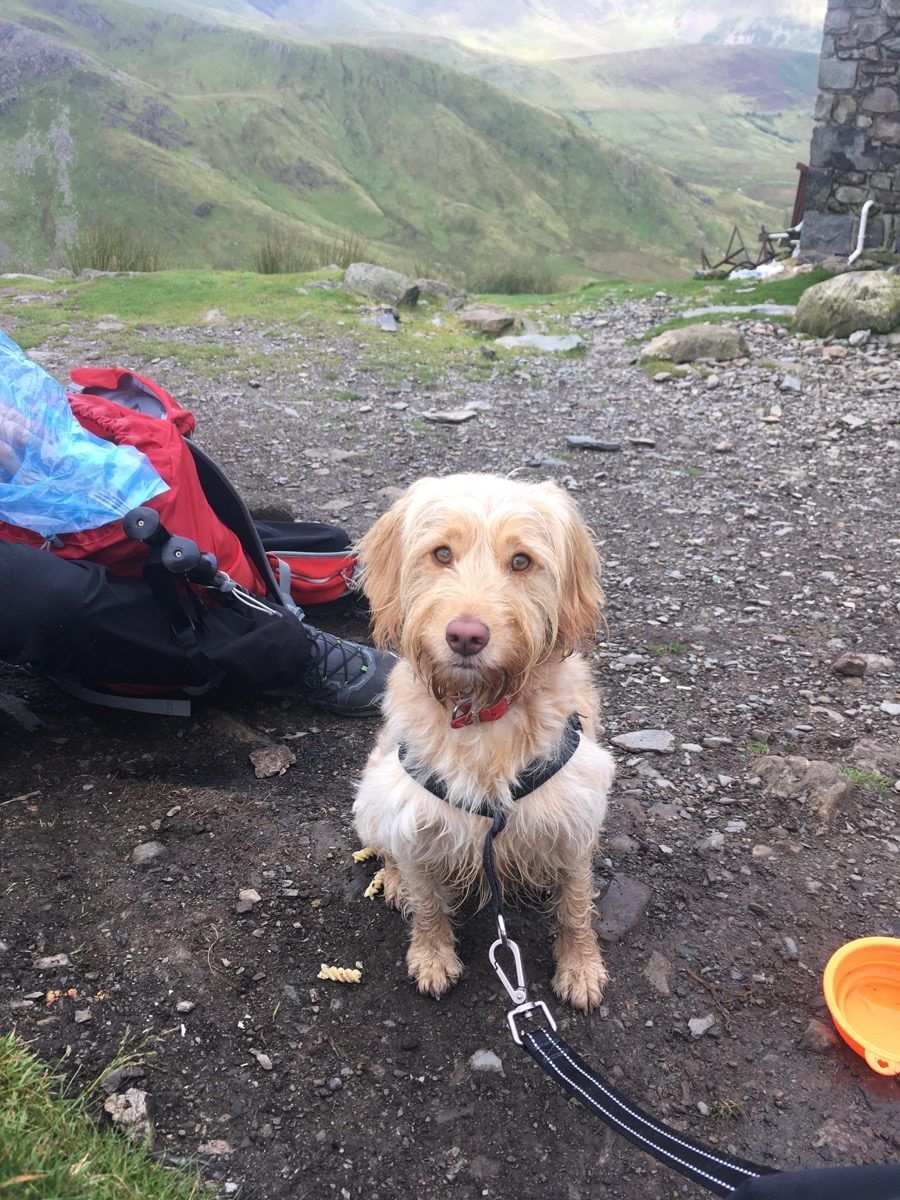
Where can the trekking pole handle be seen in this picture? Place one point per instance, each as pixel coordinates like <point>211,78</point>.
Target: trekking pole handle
<point>144,525</point>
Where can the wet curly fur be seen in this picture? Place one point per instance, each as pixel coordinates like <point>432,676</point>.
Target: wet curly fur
<point>537,615</point>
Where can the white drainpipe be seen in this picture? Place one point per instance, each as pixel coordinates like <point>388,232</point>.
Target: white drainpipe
<point>861,239</point>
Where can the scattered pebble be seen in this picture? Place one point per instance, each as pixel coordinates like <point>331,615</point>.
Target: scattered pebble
<point>149,854</point>
<point>660,741</point>
<point>486,1060</point>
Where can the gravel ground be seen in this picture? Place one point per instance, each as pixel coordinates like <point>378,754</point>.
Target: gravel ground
<point>748,527</point>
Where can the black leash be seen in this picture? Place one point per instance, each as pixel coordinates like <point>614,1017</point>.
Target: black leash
<point>712,1169</point>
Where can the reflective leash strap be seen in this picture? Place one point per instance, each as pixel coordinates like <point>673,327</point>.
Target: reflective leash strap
<point>717,1172</point>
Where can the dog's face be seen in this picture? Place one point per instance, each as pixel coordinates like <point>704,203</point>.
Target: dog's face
<point>477,580</point>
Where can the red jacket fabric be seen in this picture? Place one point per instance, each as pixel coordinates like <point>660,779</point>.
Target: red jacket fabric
<point>183,509</point>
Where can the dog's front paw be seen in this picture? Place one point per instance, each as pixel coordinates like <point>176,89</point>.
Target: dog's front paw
<point>435,966</point>
<point>580,977</point>
<point>393,888</point>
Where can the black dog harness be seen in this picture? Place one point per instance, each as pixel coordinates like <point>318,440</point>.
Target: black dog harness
<point>535,773</point>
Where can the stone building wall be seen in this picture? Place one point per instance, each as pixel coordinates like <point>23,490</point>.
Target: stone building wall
<point>855,153</point>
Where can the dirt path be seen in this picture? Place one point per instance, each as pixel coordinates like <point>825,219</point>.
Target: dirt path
<point>735,578</point>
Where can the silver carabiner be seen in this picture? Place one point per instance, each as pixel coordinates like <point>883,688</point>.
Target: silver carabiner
<point>518,993</point>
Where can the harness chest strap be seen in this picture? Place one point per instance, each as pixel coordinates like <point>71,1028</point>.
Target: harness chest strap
<point>532,776</point>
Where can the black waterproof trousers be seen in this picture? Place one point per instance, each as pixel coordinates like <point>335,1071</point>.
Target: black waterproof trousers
<point>76,619</point>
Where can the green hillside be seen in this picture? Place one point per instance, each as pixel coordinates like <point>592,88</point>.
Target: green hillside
<point>717,116</point>
<point>209,138</point>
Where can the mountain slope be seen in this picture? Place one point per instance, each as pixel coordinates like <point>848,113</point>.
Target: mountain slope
<point>537,29</point>
<point>211,137</point>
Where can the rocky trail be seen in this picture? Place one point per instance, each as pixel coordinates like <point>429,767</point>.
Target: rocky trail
<point>747,516</point>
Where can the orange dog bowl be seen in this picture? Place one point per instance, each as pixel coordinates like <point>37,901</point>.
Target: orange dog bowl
<point>862,991</point>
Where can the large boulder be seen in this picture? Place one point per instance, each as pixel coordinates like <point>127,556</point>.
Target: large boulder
<point>438,289</point>
<point>855,300</point>
<point>692,342</point>
<point>490,319</point>
<point>380,283</point>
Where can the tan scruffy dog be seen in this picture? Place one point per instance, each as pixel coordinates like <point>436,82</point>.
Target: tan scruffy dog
<point>486,586</point>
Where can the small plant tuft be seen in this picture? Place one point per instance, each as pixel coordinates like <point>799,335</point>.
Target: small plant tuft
<point>756,748</point>
<point>873,780</point>
<point>279,254</point>
<point>346,250</point>
<point>515,277</point>
<point>104,246</point>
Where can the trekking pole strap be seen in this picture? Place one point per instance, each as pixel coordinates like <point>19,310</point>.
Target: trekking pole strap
<point>714,1170</point>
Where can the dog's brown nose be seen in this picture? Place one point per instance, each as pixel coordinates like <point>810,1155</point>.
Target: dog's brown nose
<point>467,636</point>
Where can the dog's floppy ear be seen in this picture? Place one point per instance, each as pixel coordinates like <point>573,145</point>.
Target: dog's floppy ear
<point>381,555</point>
<point>582,595</point>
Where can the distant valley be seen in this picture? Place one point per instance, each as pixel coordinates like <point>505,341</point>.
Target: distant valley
<point>212,136</point>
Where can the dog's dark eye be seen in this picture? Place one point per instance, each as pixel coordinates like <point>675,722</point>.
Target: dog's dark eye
<point>520,562</point>
<point>443,555</point>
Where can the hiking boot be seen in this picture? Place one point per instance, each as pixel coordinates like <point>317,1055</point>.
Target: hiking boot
<point>344,677</point>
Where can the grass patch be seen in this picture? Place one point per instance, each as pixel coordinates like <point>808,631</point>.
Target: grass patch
<point>515,277</point>
<point>756,749</point>
<point>872,780</point>
<point>653,366</point>
<point>104,246</point>
<point>51,1147</point>
<point>658,649</point>
<point>279,254</point>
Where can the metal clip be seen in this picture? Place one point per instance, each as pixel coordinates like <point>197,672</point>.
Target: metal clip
<point>518,993</point>
<point>524,1009</point>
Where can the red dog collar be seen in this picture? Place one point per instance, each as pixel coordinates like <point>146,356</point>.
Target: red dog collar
<point>463,715</point>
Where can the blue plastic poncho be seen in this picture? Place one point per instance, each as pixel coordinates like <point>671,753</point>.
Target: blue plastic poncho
<point>55,477</point>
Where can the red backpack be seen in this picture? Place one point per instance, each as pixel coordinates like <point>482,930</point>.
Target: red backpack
<point>200,503</point>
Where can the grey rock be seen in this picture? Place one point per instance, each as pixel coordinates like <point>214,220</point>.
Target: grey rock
<point>859,337</point>
<point>550,343</point>
<point>335,1083</point>
<point>790,383</point>
<point>872,755</point>
<point>453,416</point>
<point>824,785</point>
<point>692,342</point>
<point>818,1036</point>
<point>271,760</point>
<point>622,907</point>
<point>20,713</point>
<point>216,1148</point>
<point>489,319</point>
<point>661,741</point>
<point>856,300</point>
<point>387,322</point>
<point>622,843</point>
<point>130,1113</point>
<point>889,707</point>
<point>439,289</point>
<point>486,1060</point>
<point>149,854</point>
<point>51,962</point>
<point>700,1025</point>
<point>112,1081</point>
<point>380,283</point>
<point>658,973</point>
<point>837,73</point>
<point>185,1006</point>
<point>827,233</point>
<point>585,442</point>
<point>850,664</point>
